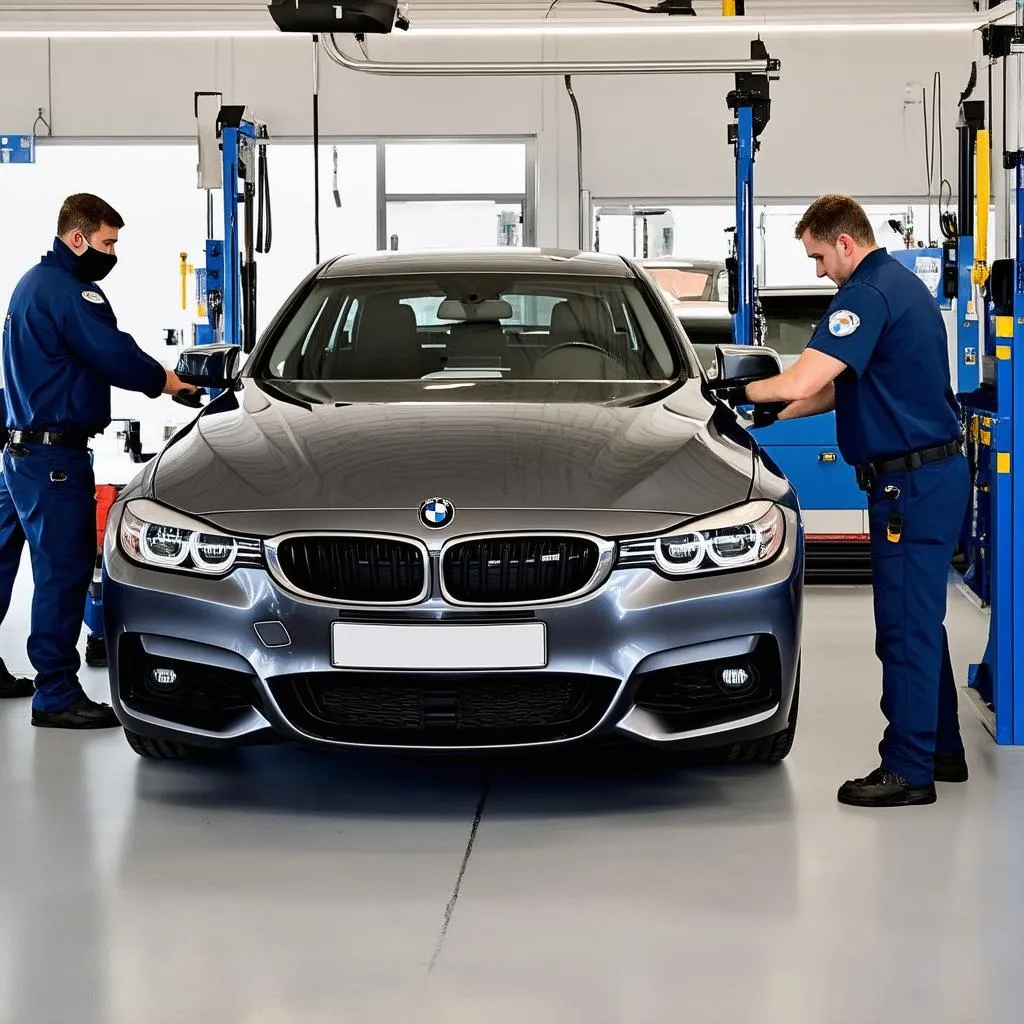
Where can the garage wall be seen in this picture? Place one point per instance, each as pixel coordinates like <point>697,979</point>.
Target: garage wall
<point>839,119</point>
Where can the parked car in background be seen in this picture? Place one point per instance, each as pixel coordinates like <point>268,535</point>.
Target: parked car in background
<point>686,281</point>
<point>460,500</point>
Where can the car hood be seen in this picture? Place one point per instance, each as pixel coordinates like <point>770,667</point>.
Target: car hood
<point>263,450</point>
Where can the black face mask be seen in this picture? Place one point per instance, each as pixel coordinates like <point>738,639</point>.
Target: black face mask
<point>94,265</point>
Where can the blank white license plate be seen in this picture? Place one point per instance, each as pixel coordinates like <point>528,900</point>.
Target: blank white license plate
<point>438,646</point>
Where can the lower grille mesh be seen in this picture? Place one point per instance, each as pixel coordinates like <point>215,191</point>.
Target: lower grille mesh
<point>396,709</point>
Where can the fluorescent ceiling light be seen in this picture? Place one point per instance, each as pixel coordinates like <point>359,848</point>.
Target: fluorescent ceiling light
<point>455,29</point>
<point>140,34</point>
<point>747,28</point>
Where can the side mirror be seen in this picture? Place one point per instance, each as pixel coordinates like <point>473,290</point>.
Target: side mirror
<point>745,363</point>
<point>210,366</point>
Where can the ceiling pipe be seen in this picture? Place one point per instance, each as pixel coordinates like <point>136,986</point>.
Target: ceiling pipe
<point>758,65</point>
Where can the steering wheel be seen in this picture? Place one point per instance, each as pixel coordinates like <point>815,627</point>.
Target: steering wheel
<point>583,344</point>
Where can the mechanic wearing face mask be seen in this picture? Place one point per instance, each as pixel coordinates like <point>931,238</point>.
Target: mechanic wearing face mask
<point>879,357</point>
<point>62,353</point>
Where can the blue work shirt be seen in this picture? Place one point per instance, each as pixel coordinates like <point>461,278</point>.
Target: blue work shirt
<point>62,352</point>
<point>895,396</point>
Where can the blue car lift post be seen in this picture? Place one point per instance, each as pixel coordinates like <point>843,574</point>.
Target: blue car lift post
<point>230,143</point>
<point>995,429</point>
<point>805,450</point>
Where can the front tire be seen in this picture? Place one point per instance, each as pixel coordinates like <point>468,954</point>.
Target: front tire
<point>771,749</point>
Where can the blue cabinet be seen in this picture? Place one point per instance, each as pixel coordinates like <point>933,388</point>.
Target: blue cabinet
<point>806,451</point>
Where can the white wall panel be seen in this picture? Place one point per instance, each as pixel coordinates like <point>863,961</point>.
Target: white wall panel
<point>830,131</point>
<point>359,103</point>
<point>114,87</point>
<point>23,83</point>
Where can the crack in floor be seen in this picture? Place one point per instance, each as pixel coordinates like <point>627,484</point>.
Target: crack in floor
<point>449,910</point>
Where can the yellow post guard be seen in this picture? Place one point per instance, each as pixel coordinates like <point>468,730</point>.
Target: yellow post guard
<point>979,272</point>
<point>184,280</point>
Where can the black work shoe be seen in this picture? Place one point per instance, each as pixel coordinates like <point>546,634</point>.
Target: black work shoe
<point>950,768</point>
<point>12,686</point>
<point>83,714</point>
<point>883,788</point>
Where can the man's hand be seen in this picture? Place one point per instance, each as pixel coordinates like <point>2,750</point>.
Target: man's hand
<point>175,385</point>
<point>766,413</point>
<point>734,395</point>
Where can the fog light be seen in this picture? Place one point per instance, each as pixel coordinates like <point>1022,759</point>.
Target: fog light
<point>163,678</point>
<point>735,679</point>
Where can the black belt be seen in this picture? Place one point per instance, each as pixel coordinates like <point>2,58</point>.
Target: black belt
<point>869,472</point>
<point>69,438</point>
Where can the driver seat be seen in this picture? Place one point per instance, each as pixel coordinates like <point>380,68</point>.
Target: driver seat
<point>386,344</point>
<point>585,320</point>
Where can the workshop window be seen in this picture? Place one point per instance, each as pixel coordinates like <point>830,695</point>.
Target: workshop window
<point>464,167</point>
<point>458,193</point>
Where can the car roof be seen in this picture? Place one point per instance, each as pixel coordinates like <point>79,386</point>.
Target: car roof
<point>571,262</point>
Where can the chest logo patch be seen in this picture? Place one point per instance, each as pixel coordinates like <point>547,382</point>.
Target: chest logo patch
<point>843,323</point>
<point>93,297</point>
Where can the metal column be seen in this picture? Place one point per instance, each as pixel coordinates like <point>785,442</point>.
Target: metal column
<point>743,321</point>
<point>998,679</point>
<point>752,106</point>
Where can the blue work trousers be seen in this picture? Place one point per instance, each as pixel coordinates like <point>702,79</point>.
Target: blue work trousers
<point>915,519</point>
<point>48,497</point>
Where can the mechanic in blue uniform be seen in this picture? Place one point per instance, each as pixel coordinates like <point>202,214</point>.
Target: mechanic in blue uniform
<point>880,359</point>
<point>62,353</point>
<point>10,685</point>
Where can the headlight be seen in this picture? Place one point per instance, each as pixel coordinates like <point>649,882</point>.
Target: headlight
<point>744,537</point>
<point>155,536</point>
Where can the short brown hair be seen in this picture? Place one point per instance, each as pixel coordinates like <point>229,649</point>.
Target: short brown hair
<point>86,213</point>
<point>831,216</point>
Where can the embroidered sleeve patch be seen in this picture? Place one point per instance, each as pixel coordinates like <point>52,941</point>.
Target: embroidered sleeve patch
<point>843,323</point>
<point>93,297</point>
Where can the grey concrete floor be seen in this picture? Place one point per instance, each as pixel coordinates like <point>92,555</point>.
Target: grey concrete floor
<point>296,886</point>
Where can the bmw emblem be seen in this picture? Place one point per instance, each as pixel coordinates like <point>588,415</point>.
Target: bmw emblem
<point>437,513</point>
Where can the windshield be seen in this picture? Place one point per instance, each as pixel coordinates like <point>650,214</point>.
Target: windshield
<point>472,326</point>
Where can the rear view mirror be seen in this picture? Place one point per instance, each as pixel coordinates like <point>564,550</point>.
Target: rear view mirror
<point>209,366</point>
<point>745,363</point>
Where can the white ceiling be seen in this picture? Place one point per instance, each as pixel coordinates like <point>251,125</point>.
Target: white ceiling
<point>248,15</point>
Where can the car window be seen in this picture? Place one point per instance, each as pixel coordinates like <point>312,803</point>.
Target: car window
<point>528,327</point>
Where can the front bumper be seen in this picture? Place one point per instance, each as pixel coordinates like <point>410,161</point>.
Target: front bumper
<point>635,660</point>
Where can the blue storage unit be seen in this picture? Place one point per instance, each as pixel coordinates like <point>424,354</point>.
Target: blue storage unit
<point>807,453</point>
